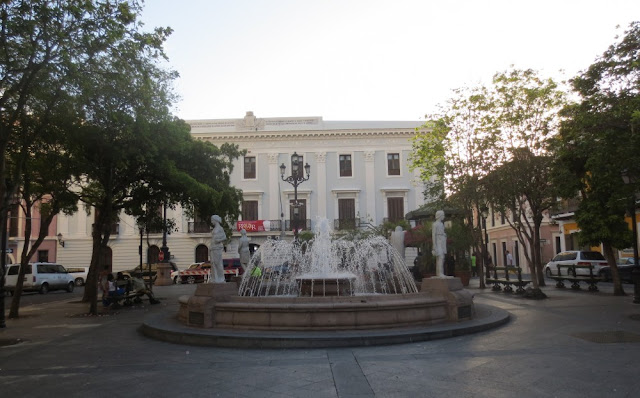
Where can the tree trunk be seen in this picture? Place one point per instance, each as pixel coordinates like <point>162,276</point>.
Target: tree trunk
<point>615,275</point>
<point>100,234</point>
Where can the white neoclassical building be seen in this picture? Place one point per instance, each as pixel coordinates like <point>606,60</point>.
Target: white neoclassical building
<point>359,176</point>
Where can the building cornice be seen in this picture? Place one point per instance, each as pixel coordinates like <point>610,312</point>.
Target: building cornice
<point>299,135</point>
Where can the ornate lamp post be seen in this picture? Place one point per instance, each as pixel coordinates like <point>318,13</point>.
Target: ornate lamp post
<point>165,256</point>
<point>296,178</point>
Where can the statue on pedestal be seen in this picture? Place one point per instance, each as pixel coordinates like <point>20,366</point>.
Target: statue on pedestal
<point>218,237</point>
<point>439,239</point>
<point>243,250</point>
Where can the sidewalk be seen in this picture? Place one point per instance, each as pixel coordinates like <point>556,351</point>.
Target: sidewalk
<point>573,344</point>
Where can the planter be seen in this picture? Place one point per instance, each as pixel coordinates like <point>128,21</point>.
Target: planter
<point>464,275</point>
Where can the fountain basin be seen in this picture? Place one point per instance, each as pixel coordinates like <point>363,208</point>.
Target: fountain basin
<point>314,313</point>
<point>208,309</point>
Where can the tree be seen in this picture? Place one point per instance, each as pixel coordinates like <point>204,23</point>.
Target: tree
<point>522,188</point>
<point>42,186</point>
<point>526,114</point>
<point>481,130</point>
<point>455,152</point>
<point>598,144</point>
<point>42,41</point>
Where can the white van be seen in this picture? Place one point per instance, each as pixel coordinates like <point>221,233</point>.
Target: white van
<point>40,277</point>
<point>79,274</point>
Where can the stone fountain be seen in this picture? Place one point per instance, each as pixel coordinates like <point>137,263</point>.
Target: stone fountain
<point>326,284</point>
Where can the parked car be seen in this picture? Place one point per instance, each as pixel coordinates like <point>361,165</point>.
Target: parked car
<point>198,272</point>
<point>40,277</point>
<point>195,273</point>
<point>79,274</point>
<point>576,257</point>
<point>625,269</point>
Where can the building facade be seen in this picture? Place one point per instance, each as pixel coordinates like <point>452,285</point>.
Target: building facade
<point>359,177</point>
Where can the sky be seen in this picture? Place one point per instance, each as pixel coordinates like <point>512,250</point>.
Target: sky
<point>369,59</point>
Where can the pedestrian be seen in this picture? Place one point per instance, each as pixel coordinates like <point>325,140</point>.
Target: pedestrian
<point>489,264</point>
<point>473,264</point>
<point>510,262</point>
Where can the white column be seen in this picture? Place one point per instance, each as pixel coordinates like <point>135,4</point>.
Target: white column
<point>274,192</point>
<point>370,184</point>
<point>321,162</point>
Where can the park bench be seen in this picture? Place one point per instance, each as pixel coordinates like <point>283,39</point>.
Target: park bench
<point>508,281</point>
<point>127,298</point>
<point>571,276</point>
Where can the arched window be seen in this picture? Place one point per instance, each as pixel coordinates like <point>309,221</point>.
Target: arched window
<point>202,253</point>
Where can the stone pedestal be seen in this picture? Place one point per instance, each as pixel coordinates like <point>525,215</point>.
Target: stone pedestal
<point>163,275</point>
<point>459,300</point>
<point>201,306</point>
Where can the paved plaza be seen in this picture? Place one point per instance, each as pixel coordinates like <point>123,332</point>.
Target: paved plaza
<point>574,344</point>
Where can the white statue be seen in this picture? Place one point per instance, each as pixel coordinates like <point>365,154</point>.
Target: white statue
<point>218,237</point>
<point>243,250</point>
<point>397,240</point>
<point>439,239</point>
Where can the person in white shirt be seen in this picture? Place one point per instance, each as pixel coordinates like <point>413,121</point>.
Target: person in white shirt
<point>509,259</point>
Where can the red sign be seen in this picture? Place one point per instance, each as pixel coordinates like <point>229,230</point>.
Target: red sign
<point>161,256</point>
<point>253,226</point>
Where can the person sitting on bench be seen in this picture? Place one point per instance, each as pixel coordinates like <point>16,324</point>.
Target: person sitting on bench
<point>121,284</point>
<point>140,287</point>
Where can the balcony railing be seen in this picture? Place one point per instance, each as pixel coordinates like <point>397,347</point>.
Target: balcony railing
<point>566,206</point>
<point>302,225</point>
<point>342,224</point>
<point>198,227</point>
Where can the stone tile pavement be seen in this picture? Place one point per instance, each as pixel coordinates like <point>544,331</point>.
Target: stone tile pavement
<point>574,344</point>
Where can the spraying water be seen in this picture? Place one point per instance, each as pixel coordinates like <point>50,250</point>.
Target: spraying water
<point>355,267</point>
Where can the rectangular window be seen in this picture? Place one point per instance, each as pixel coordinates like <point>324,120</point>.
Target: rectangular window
<point>346,213</point>
<point>393,164</point>
<point>504,254</point>
<point>250,210</point>
<point>43,256</point>
<point>298,214</point>
<point>345,166</point>
<point>395,207</point>
<point>249,167</point>
<point>13,220</point>
<point>516,254</point>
